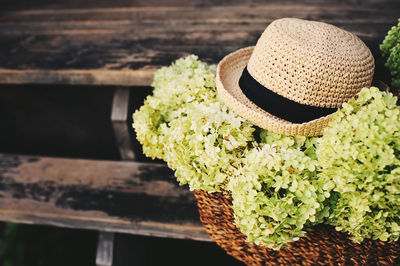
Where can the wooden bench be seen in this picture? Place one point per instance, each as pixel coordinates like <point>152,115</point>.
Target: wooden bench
<point>120,44</point>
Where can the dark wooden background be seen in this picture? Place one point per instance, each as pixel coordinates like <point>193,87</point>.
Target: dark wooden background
<point>123,42</point>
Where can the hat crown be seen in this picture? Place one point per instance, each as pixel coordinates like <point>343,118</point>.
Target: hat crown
<point>312,63</point>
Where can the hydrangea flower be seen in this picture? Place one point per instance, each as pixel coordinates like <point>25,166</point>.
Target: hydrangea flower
<point>185,124</point>
<point>360,152</point>
<point>277,195</point>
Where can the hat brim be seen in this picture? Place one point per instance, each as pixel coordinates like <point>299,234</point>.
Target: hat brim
<point>228,74</point>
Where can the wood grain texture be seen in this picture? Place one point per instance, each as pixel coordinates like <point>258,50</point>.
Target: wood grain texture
<point>124,45</point>
<point>119,117</point>
<point>78,4</point>
<point>128,197</point>
<point>105,249</point>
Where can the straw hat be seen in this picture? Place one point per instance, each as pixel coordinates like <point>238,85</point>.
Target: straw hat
<point>296,76</point>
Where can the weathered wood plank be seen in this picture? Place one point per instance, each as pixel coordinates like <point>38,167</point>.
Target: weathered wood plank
<point>119,116</point>
<point>141,77</point>
<point>128,197</point>
<point>105,249</point>
<point>123,46</point>
<point>78,4</point>
<point>239,13</point>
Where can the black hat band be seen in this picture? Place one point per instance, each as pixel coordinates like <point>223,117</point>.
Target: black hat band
<point>278,105</point>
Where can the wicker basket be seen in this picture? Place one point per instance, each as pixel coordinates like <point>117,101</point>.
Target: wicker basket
<point>322,246</point>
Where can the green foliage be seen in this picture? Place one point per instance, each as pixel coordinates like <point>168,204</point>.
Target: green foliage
<point>280,185</point>
<point>360,152</point>
<point>391,49</point>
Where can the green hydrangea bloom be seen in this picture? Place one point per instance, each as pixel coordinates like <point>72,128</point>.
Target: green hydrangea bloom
<point>391,48</point>
<point>360,152</point>
<point>277,195</point>
<point>185,124</point>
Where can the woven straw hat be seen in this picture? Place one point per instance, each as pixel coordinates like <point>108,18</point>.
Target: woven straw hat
<point>296,76</point>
